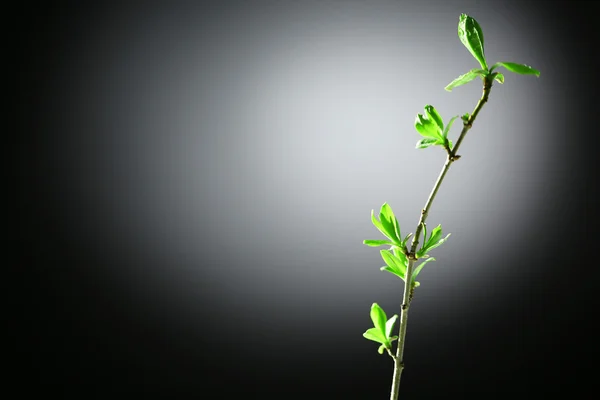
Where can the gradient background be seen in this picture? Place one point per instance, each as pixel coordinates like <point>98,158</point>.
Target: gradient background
<point>194,182</point>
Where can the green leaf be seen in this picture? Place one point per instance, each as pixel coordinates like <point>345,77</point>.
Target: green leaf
<point>420,267</point>
<point>401,257</point>
<point>517,68</point>
<point>465,78</point>
<point>377,243</point>
<point>381,348</point>
<point>435,235</point>
<point>427,127</point>
<point>389,325</point>
<point>375,335</point>
<point>392,271</point>
<point>383,230</point>
<point>433,115</point>
<point>426,142</point>
<point>379,318</point>
<point>471,36</point>
<point>390,223</point>
<point>436,244</point>
<point>395,264</point>
<point>447,129</point>
<point>498,77</point>
<point>432,242</point>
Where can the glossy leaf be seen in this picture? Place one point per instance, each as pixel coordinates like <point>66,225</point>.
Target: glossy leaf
<point>389,222</point>
<point>435,235</point>
<point>426,142</point>
<point>389,325</point>
<point>427,127</point>
<point>471,36</point>
<point>498,77</point>
<point>377,243</point>
<point>379,318</point>
<point>395,264</point>
<point>447,128</point>
<point>517,68</point>
<point>438,243</point>
<point>435,116</point>
<point>465,78</point>
<point>399,254</point>
<point>392,271</point>
<point>434,240</point>
<point>375,335</point>
<point>390,235</point>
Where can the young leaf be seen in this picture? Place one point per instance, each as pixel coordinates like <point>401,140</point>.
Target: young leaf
<point>420,267</point>
<point>401,257</point>
<point>427,127</point>
<point>426,142</point>
<point>433,115</point>
<point>396,264</point>
<point>471,36</point>
<point>379,318</point>
<point>465,78</point>
<point>375,335</point>
<point>377,243</point>
<point>447,129</point>
<point>517,68</point>
<point>392,271</point>
<point>390,235</point>
<point>498,77</point>
<point>432,242</point>
<point>389,222</point>
<point>438,243</point>
<point>436,234</point>
<point>389,325</point>
<point>381,348</point>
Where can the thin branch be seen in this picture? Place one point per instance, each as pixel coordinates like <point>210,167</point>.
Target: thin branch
<point>408,278</point>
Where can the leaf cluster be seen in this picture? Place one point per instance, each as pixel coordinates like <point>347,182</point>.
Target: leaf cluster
<point>396,257</point>
<point>471,36</point>
<point>382,328</point>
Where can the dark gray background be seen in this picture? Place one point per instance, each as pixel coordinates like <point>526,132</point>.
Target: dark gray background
<point>196,181</point>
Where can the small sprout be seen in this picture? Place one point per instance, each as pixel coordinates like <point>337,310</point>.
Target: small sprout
<point>388,225</point>
<point>382,330</point>
<point>435,240</point>
<point>431,126</point>
<point>396,262</point>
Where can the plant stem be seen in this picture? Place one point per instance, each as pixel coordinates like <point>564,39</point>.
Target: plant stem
<point>408,284</point>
